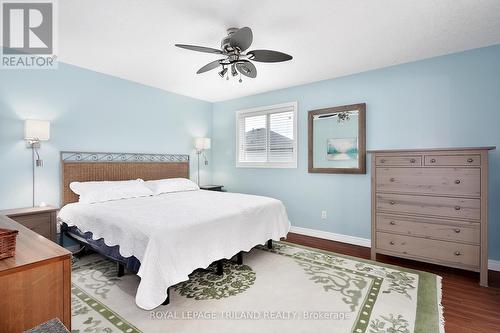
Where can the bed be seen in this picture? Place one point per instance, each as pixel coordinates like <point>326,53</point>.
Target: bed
<point>163,237</point>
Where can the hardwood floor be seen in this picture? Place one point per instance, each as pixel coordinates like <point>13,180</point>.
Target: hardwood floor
<point>468,308</point>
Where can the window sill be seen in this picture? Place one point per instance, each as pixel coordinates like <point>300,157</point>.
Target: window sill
<point>267,165</point>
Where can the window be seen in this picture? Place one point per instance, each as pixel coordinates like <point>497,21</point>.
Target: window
<point>267,137</point>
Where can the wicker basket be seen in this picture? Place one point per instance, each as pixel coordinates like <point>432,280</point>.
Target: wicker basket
<point>7,243</point>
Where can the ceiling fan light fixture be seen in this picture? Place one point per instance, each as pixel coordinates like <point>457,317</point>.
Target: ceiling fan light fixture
<point>233,48</point>
<point>223,72</point>
<point>234,72</point>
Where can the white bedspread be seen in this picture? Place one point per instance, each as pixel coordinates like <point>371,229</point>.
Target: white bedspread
<point>173,234</point>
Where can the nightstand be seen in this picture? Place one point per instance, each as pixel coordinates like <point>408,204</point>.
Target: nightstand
<point>42,220</point>
<point>217,188</point>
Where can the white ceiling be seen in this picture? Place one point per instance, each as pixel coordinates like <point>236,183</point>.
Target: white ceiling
<point>134,39</point>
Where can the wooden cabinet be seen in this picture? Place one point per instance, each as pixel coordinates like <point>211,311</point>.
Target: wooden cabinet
<point>42,220</point>
<point>432,205</point>
<point>35,284</point>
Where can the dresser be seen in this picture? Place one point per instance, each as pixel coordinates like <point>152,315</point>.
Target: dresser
<point>42,220</point>
<point>432,205</point>
<point>35,284</point>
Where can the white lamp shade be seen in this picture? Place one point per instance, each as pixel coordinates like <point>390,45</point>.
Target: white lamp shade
<point>202,143</point>
<point>37,130</point>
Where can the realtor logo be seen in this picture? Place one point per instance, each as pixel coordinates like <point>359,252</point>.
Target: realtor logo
<point>28,34</point>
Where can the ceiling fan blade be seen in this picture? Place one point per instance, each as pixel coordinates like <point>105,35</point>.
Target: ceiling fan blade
<point>199,48</point>
<point>242,38</point>
<point>268,56</point>
<point>209,66</point>
<point>246,68</point>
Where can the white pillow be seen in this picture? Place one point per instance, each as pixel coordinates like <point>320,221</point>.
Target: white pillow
<point>91,192</point>
<point>171,185</point>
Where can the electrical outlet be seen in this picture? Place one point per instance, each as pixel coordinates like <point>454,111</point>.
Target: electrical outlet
<point>323,214</point>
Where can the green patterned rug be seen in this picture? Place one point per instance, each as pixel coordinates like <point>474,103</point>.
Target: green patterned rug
<point>288,289</point>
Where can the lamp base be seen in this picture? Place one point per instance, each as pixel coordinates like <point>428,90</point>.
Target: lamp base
<point>32,144</point>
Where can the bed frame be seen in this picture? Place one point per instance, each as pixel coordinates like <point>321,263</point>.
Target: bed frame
<point>93,166</point>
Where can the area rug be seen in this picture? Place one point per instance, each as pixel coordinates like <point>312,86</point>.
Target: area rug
<point>287,289</point>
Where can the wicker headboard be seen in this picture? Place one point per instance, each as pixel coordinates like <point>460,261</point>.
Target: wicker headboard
<point>83,167</point>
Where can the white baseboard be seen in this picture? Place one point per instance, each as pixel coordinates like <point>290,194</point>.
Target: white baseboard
<point>332,236</point>
<point>493,265</point>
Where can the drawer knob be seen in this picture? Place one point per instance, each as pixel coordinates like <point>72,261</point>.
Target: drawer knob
<point>433,160</point>
<point>391,242</point>
<point>382,161</point>
<point>392,202</point>
<point>392,223</point>
<point>457,207</point>
<point>470,160</point>
<point>457,181</point>
<point>392,180</point>
<point>413,160</point>
<point>457,231</point>
<point>457,253</point>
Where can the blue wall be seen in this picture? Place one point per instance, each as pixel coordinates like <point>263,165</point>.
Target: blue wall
<point>442,102</point>
<point>90,112</point>
<point>448,101</point>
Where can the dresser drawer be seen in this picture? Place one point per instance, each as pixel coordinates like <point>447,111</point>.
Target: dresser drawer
<point>434,250</point>
<point>428,205</point>
<point>410,160</point>
<point>441,181</point>
<point>452,160</point>
<point>455,231</point>
<point>39,223</point>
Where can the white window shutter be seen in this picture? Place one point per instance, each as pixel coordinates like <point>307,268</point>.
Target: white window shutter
<point>266,137</point>
<point>281,137</point>
<point>253,135</point>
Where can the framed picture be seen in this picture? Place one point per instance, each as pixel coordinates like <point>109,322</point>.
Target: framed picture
<point>337,139</point>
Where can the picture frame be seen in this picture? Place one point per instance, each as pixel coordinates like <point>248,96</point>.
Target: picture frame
<point>337,139</point>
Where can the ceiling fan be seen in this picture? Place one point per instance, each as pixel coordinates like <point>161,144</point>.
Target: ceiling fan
<point>233,48</point>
